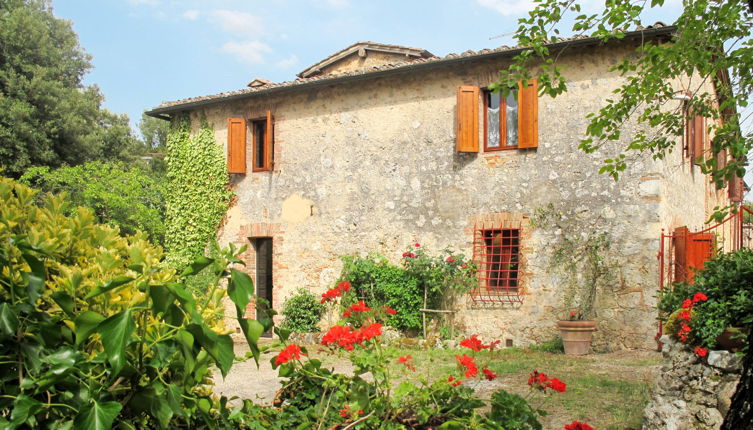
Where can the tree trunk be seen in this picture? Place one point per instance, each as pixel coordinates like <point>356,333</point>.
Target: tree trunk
<point>740,414</point>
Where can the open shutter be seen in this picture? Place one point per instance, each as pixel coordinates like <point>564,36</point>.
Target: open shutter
<point>699,132</point>
<point>528,114</point>
<point>268,142</point>
<point>736,189</point>
<point>467,119</point>
<point>236,145</point>
<point>700,250</point>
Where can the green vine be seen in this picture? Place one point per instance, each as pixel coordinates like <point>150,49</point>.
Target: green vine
<point>197,190</point>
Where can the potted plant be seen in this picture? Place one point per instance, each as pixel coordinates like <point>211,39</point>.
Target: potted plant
<point>716,310</point>
<point>579,256</point>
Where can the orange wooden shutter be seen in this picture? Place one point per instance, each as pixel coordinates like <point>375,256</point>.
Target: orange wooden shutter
<point>467,119</point>
<point>680,240</point>
<point>236,145</point>
<point>736,189</point>
<point>268,142</point>
<point>700,249</point>
<point>528,114</point>
<point>699,132</point>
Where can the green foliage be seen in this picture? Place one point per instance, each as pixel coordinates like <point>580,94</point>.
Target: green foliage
<point>554,346</point>
<point>444,277</point>
<point>154,133</point>
<point>302,312</point>
<point>130,198</point>
<point>197,190</point>
<point>580,253</point>
<point>712,44</point>
<point>727,282</point>
<point>380,283</point>
<point>95,328</point>
<point>47,116</point>
<point>314,396</point>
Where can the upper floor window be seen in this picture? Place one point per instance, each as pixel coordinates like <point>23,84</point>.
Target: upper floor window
<point>509,122</point>
<point>262,148</point>
<point>501,121</point>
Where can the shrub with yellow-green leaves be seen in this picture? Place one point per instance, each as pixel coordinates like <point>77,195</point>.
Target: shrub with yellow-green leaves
<point>95,327</point>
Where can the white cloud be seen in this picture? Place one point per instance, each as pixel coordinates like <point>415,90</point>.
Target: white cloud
<point>235,22</point>
<point>251,52</point>
<point>191,14</point>
<point>508,7</point>
<point>287,62</point>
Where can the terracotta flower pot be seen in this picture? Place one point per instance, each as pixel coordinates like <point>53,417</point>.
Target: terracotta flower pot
<point>731,339</point>
<point>576,336</point>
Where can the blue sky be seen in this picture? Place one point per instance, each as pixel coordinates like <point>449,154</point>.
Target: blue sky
<point>149,51</point>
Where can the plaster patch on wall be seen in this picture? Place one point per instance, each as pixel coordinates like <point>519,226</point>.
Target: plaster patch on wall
<point>296,209</point>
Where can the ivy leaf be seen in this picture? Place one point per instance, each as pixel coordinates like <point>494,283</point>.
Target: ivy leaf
<point>8,321</point>
<point>240,289</point>
<point>86,323</point>
<point>64,301</point>
<point>219,347</point>
<point>116,332</point>
<point>97,416</point>
<point>162,297</point>
<point>109,285</point>
<point>35,281</point>
<point>152,401</point>
<point>197,266</point>
<point>23,408</point>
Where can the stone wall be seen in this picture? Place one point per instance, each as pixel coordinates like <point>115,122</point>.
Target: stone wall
<point>370,166</point>
<point>692,392</point>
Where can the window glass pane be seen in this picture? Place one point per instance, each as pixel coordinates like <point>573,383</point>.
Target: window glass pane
<point>492,120</point>
<point>259,155</point>
<point>511,124</point>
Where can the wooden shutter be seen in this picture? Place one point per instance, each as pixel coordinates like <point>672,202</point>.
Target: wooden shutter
<point>467,119</point>
<point>268,142</point>
<point>692,251</point>
<point>699,132</point>
<point>680,240</point>
<point>528,114</point>
<point>736,189</point>
<point>236,145</point>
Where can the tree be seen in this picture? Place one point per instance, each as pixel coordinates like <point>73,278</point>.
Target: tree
<point>129,197</point>
<point>154,134</point>
<point>47,116</point>
<point>712,44</point>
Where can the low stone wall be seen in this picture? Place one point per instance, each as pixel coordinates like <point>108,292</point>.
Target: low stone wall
<point>692,392</point>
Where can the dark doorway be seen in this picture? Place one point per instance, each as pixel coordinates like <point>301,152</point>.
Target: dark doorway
<point>263,248</point>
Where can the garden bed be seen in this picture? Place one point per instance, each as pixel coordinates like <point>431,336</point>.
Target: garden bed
<point>610,391</point>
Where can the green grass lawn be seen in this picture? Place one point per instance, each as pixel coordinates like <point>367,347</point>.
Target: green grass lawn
<point>609,391</point>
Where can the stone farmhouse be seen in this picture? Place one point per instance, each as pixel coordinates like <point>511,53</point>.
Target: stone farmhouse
<point>378,146</point>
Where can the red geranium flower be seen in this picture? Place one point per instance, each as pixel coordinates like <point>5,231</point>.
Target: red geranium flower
<point>473,343</point>
<point>344,286</point>
<point>389,310</point>
<point>346,314</point>
<point>359,307</point>
<point>293,351</point>
<point>701,351</point>
<point>406,361</point>
<point>470,366</point>
<point>684,315</point>
<point>687,304</point>
<point>417,245</point>
<point>341,336</point>
<point>494,344</point>
<point>577,425</point>
<point>699,297</point>
<point>464,266</point>
<point>488,374</point>
<point>371,331</point>
<point>331,294</point>
<point>344,412</point>
<point>538,380</point>
<point>556,385</point>
<point>450,260</point>
<point>453,381</point>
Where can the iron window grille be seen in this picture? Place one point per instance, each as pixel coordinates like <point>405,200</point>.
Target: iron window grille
<point>496,252</point>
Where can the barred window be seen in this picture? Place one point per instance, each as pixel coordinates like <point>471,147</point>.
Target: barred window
<point>497,255</point>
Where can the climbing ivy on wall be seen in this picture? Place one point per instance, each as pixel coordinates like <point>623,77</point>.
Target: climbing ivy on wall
<point>197,190</point>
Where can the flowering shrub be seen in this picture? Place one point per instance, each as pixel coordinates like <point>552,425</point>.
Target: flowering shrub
<point>720,296</point>
<point>314,397</point>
